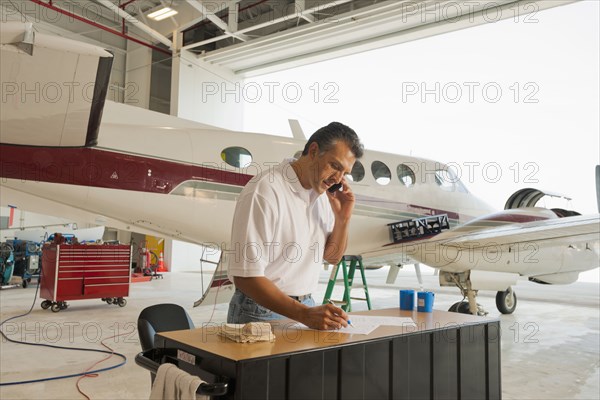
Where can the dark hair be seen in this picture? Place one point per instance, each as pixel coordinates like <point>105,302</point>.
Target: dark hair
<point>328,135</point>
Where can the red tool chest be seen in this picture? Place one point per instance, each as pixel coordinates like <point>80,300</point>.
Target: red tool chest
<point>78,271</point>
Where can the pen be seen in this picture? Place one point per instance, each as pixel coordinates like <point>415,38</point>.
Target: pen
<point>333,304</point>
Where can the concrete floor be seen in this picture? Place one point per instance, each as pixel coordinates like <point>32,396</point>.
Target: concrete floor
<point>550,345</point>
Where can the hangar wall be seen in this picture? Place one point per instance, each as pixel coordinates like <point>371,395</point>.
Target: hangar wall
<point>205,93</point>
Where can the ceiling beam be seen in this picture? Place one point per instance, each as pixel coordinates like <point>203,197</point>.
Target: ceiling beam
<point>301,6</point>
<point>299,14</point>
<point>232,18</point>
<point>135,22</point>
<point>277,62</point>
<point>198,5</point>
<point>96,25</point>
<point>219,7</point>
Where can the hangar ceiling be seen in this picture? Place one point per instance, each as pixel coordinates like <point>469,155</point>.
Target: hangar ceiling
<point>253,37</point>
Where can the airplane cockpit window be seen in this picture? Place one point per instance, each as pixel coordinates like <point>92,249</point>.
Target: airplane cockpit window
<point>358,172</point>
<point>381,173</point>
<point>237,157</point>
<point>443,178</point>
<point>448,180</point>
<point>405,175</point>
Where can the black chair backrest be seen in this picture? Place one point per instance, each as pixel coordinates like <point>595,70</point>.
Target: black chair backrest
<point>161,318</point>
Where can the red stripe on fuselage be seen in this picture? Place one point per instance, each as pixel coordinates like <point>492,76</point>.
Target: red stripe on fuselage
<point>107,169</point>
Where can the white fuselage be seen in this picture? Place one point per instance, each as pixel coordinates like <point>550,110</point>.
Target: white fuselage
<point>166,176</point>
<point>200,209</point>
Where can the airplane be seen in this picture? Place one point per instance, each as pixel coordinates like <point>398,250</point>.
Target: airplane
<point>93,160</point>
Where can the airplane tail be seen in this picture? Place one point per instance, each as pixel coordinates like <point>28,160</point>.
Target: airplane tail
<point>53,89</point>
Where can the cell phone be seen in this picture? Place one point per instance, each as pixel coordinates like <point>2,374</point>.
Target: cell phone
<point>335,188</point>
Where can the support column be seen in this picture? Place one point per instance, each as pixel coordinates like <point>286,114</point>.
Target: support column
<point>168,254</point>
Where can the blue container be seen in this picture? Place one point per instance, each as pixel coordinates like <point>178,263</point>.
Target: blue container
<point>407,299</point>
<point>425,301</point>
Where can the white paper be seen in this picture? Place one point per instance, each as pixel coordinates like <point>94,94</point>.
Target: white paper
<point>357,329</point>
<point>390,321</point>
<point>365,324</point>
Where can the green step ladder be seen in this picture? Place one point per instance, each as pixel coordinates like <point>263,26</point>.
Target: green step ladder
<point>348,273</point>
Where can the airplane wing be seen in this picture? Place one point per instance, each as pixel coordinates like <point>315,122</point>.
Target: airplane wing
<point>566,230</point>
<point>53,88</point>
<point>569,231</point>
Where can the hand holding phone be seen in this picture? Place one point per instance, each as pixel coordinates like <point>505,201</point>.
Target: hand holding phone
<point>342,201</point>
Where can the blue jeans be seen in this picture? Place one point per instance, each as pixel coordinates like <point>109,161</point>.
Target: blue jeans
<point>243,309</point>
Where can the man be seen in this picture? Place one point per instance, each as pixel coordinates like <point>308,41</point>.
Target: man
<point>285,224</point>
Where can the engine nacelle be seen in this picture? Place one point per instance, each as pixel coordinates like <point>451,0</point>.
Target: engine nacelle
<point>480,280</point>
<point>528,198</point>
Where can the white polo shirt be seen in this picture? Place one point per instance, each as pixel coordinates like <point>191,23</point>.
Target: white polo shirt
<point>279,231</point>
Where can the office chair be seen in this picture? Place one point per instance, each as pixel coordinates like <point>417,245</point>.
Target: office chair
<point>161,318</point>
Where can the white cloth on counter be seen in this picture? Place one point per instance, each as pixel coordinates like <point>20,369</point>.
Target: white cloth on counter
<point>248,333</point>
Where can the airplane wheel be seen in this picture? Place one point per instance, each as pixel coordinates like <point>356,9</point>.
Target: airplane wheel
<point>462,307</point>
<point>506,301</point>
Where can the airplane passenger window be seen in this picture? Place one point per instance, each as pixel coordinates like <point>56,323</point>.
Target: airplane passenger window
<point>237,157</point>
<point>358,172</point>
<point>381,173</point>
<point>405,175</point>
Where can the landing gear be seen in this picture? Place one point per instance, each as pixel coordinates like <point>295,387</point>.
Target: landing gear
<point>506,301</point>
<point>461,307</point>
<point>462,281</point>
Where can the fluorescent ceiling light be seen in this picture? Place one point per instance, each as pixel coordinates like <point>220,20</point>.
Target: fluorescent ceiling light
<point>161,14</point>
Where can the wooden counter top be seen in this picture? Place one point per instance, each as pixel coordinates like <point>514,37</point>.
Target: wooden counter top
<point>291,340</point>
